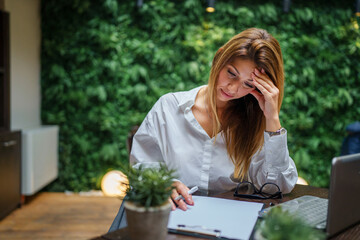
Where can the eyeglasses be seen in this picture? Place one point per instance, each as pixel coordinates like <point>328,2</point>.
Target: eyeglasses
<point>247,189</point>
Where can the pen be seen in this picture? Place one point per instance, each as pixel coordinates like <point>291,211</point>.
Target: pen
<point>191,191</point>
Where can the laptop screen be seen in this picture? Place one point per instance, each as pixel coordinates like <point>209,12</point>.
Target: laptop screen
<point>344,194</point>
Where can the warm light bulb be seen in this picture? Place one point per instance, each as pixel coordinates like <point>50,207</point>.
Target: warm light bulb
<point>114,184</point>
<point>301,181</point>
<point>210,6</point>
<point>210,9</point>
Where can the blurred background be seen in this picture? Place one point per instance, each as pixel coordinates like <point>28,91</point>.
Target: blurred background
<point>83,73</point>
<point>105,63</point>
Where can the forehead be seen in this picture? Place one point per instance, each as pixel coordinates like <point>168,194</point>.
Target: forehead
<point>243,66</point>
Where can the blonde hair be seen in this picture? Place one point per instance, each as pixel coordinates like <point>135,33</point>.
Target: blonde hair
<point>243,122</point>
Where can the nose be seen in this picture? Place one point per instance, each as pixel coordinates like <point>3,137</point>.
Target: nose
<point>234,86</point>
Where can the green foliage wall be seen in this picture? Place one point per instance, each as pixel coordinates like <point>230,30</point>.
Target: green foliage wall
<point>105,63</point>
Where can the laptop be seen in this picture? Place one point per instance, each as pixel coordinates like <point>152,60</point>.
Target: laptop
<point>342,209</point>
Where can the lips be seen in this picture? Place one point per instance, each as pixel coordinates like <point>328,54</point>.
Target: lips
<point>226,94</point>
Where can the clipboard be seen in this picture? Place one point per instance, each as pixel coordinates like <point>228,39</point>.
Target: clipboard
<point>216,218</point>
<point>198,231</point>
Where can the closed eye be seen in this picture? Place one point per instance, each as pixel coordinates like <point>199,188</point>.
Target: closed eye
<point>249,85</point>
<point>231,73</point>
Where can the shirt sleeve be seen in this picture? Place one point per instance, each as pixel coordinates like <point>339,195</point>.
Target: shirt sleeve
<point>145,149</point>
<point>273,164</point>
<point>146,145</point>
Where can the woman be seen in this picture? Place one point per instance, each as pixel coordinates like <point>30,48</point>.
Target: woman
<point>227,131</point>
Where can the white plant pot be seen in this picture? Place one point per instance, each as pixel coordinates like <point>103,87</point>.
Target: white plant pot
<point>147,224</point>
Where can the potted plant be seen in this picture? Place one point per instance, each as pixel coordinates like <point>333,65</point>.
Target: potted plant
<point>147,203</point>
<point>279,224</point>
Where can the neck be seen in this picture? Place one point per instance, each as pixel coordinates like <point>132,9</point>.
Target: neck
<point>220,106</point>
<point>206,101</point>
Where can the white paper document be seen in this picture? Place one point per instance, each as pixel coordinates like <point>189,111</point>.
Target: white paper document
<point>216,216</point>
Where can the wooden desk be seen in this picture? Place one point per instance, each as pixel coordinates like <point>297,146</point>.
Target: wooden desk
<point>299,190</point>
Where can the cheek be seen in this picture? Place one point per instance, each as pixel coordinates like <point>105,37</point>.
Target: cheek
<point>222,79</point>
<point>243,92</point>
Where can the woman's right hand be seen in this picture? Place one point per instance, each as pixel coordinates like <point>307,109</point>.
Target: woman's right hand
<point>180,189</point>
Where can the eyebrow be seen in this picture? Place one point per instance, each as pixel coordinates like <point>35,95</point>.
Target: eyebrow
<point>239,73</point>
<point>235,68</point>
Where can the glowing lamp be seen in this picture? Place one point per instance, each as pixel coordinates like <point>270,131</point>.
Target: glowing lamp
<point>301,181</point>
<point>114,184</point>
<point>211,6</point>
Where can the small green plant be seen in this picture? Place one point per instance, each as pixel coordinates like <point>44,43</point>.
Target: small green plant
<point>149,187</point>
<point>281,225</point>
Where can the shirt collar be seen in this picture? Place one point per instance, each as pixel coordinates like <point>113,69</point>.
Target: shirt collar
<point>188,98</point>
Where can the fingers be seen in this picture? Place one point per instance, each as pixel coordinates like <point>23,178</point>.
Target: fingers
<point>186,196</point>
<point>173,206</point>
<point>263,76</point>
<point>263,79</point>
<point>260,86</point>
<point>268,99</point>
<point>263,83</point>
<point>178,203</point>
<point>181,189</point>
<point>257,95</point>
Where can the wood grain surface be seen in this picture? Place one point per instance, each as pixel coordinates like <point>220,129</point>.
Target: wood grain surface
<point>60,216</point>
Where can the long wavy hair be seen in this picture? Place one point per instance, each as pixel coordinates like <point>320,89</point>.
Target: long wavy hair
<point>243,122</point>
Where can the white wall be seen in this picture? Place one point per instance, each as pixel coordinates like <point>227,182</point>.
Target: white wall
<point>39,151</point>
<point>25,37</point>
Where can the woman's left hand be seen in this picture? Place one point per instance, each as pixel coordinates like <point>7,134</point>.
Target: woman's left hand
<point>268,98</point>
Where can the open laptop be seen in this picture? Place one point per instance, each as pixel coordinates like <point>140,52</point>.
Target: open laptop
<point>342,209</point>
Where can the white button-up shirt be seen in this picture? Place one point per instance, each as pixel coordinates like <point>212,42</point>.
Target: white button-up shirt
<point>171,135</point>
